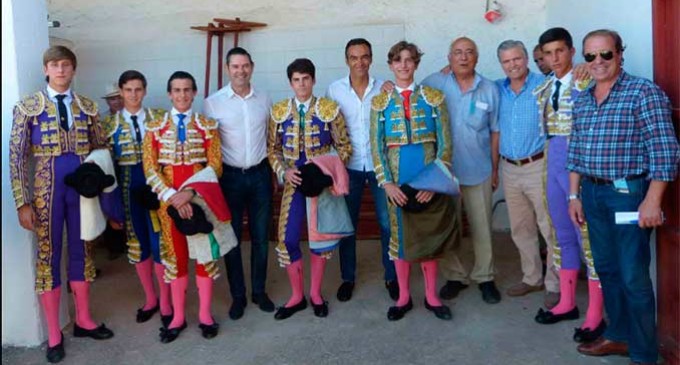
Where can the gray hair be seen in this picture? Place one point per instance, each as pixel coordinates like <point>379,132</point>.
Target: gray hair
<point>509,44</point>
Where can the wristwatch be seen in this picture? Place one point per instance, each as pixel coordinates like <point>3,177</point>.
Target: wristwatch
<point>571,197</point>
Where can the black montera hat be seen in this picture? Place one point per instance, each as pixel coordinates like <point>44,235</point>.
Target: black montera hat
<point>89,180</point>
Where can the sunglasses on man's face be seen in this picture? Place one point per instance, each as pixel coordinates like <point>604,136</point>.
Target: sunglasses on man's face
<point>606,55</point>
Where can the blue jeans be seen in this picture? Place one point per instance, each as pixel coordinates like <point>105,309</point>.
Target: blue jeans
<point>622,256</point>
<point>251,191</point>
<point>348,255</point>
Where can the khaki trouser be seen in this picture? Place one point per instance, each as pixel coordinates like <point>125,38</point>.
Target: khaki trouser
<point>524,195</point>
<point>477,200</point>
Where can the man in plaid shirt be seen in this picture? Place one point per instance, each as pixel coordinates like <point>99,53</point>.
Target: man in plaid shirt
<point>622,154</point>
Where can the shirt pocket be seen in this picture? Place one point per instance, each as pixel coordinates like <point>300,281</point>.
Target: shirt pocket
<point>478,120</point>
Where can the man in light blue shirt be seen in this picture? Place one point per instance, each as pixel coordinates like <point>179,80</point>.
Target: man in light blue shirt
<point>472,101</point>
<point>354,94</point>
<point>521,149</point>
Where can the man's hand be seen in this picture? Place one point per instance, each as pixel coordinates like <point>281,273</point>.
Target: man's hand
<point>395,195</point>
<point>27,217</point>
<point>650,214</point>
<point>424,196</point>
<point>494,180</point>
<point>185,211</point>
<point>115,225</point>
<point>446,70</point>
<point>292,176</point>
<point>387,86</point>
<point>181,198</point>
<point>581,72</point>
<point>576,212</point>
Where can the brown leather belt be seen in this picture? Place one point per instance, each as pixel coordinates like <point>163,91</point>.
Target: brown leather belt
<point>600,181</point>
<point>525,161</point>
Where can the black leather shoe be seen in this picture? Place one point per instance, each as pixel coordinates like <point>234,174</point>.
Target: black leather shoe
<point>56,353</point>
<point>283,312</point>
<point>320,310</point>
<point>441,312</point>
<point>451,289</point>
<point>396,313</point>
<point>345,291</point>
<point>168,335</point>
<point>237,308</point>
<point>585,335</point>
<point>166,320</point>
<point>99,333</point>
<point>263,301</point>
<point>145,315</point>
<point>548,317</point>
<point>393,288</point>
<point>490,293</point>
<point>209,331</point>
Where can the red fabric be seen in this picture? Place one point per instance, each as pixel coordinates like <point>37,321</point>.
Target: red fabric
<point>406,94</point>
<point>179,242</point>
<point>212,194</point>
<point>332,166</point>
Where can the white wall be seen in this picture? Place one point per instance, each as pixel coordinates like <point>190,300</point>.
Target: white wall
<point>24,37</point>
<point>631,18</point>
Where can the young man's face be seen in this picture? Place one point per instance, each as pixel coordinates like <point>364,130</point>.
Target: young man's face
<point>302,85</point>
<point>240,70</point>
<point>600,69</point>
<point>558,56</point>
<point>115,103</point>
<point>514,63</point>
<point>60,73</point>
<point>181,94</point>
<point>463,57</point>
<point>133,93</point>
<point>404,67</point>
<point>358,60</point>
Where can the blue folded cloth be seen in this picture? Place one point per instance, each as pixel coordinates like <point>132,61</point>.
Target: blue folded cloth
<point>436,177</point>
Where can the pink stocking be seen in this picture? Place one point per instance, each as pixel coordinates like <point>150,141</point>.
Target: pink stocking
<point>297,283</point>
<point>318,264</point>
<point>568,278</point>
<point>403,269</point>
<point>594,314</point>
<point>430,275</point>
<point>205,286</point>
<point>179,296</point>
<point>81,295</point>
<point>145,274</point>
<point>164,289</point>
<point>50,304</point>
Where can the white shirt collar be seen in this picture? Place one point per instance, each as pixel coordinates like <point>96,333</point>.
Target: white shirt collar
<point>305,103</point>
<point>140,114</point>
<point>566,79</point>
<point>411,87</point>
<point>174,112</point>
<point>231,93</point>
<point>371,82</point>
<point>53,93</point>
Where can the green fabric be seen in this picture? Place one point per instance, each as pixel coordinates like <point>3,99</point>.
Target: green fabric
<point>214,247</point>
<point>301,111</point>
<point>430,233</point>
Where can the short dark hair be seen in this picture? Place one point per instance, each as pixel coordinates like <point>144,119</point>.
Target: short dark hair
<point>303,66</point>
<point>182,75</point>
<point>359,42</point>
<point>239,51</point>
<point>393,54</point>
<point>618,42</point>
<point>556,34</point>
<point>130,75</point>
<point>538,48</point>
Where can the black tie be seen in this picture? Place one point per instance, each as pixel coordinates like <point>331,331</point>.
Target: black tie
<point>63,115</point>
<point>136,126</point>
<point>556,96</point>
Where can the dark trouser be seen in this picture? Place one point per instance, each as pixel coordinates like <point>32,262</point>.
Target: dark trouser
<point>248,190</point>
<point>348,256</point>
<point>622,255</point>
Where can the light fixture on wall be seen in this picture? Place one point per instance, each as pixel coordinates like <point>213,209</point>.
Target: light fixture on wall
<point>493,11</point>
<point>52,23</point>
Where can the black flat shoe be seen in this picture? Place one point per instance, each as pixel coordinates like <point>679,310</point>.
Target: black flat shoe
<point>145,315</point>
<point>263,301</point>
<point>585,335</point>
<point>548,317</point>
<point>490,293</point>
<point>396,313</point>
<point>56,353</point>
<point>393,288</point>
<point>209,331</point>
<point>168,335</point>
<point>320,310</point>
<point>99,333</point>
<point>441,312</point>
<point>283,312</point>
<point>166,320</point>
<point>237,308</point>
<point>451,289</point>
<point>345,291</point>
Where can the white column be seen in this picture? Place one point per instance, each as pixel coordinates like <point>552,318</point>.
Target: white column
<point>24,39</point>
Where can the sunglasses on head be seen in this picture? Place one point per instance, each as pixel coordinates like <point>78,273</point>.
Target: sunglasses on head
<point>606,55</point>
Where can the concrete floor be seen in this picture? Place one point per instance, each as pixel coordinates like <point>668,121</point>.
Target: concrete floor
<point>355,332</point>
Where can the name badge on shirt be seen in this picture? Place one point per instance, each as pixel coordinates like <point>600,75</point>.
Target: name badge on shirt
<point>621,186</point>
<point>482,105</point>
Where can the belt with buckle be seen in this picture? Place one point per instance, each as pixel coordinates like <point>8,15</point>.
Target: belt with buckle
<point>600,181</point>
<point>226,167</point>
<point>525,161</point>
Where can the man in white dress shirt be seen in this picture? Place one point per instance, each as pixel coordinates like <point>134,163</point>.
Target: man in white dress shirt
<point>243,113</point>
<point>354,93</point>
